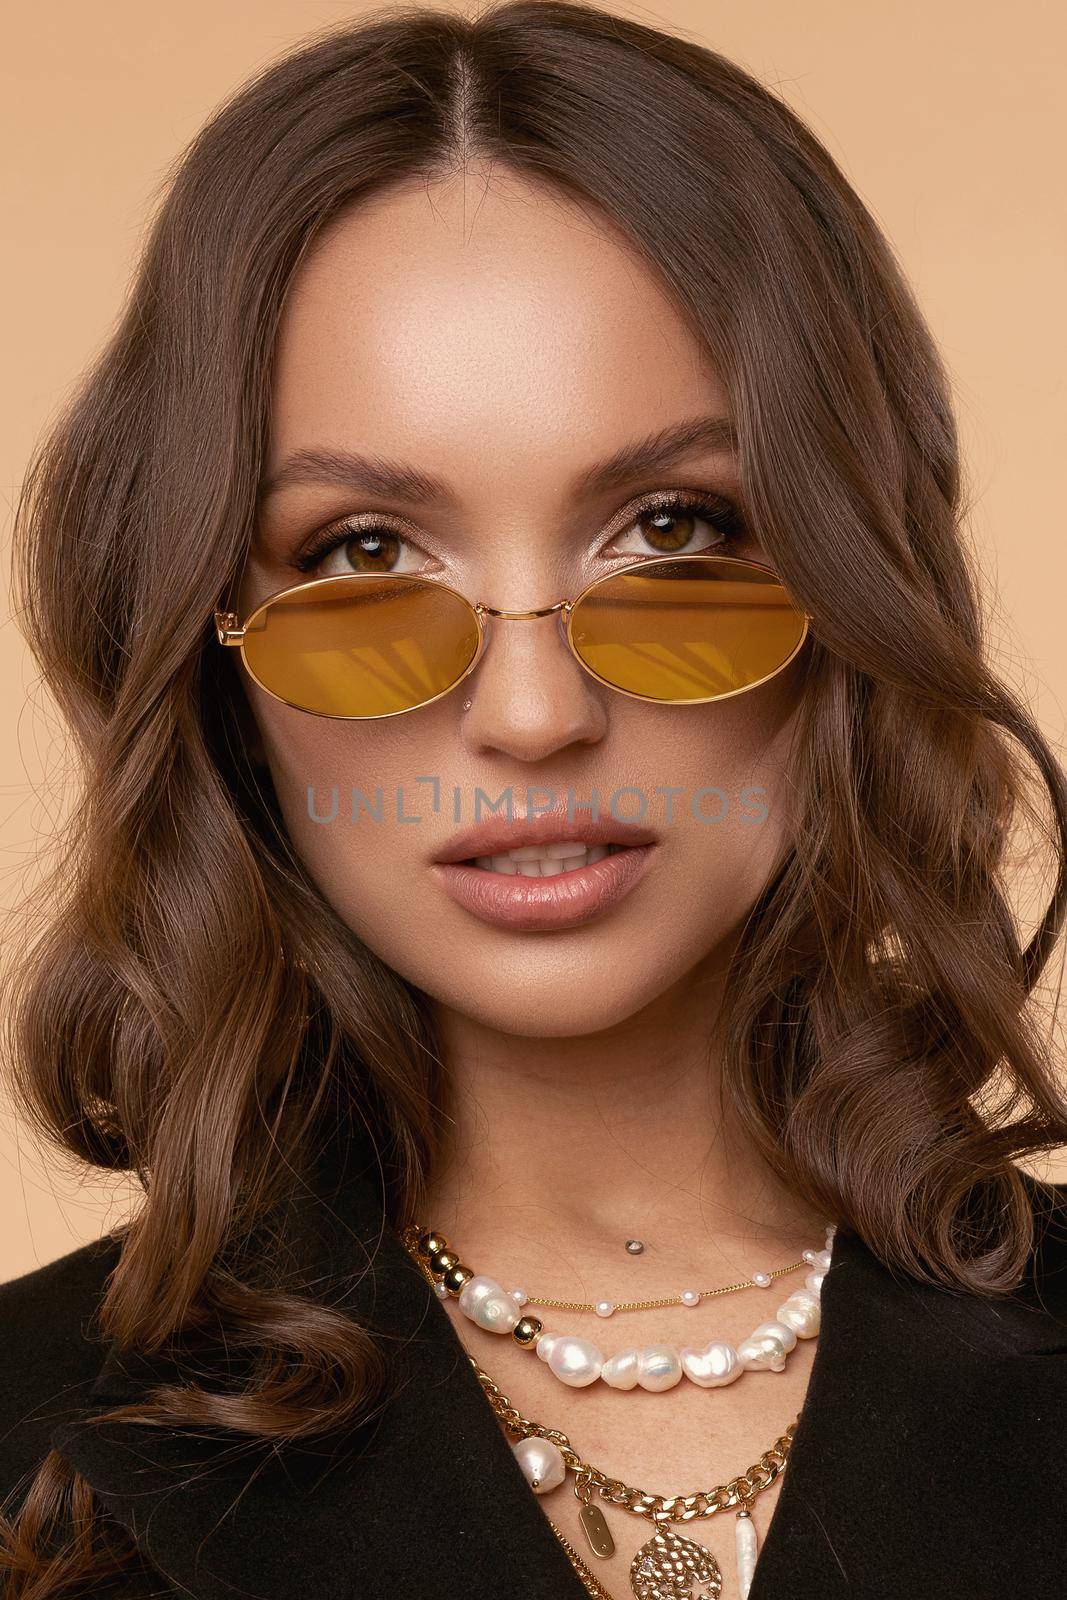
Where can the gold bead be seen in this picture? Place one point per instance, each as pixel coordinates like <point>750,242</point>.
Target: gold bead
<point>430,1243</point>
<point>456,1277</point>
<point>441,1260</point>
<point>526,1330</point>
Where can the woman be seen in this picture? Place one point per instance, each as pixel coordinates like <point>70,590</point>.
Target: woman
<point>544,851</point>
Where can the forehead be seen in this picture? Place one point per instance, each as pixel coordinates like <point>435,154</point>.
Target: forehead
<point>480,323</point>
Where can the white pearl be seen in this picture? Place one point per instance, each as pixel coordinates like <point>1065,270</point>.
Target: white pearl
<point>519,1296</point>
<point>762,1278</point>
<point>485,1303</point>
<point>801,1312</point>
<point>831,1230</point>
<point>542,1463</point>
<point>440,1291</point>
<point>767,1346</point>
<point>814,1282</point>
<point>745,1548</point>
<point>821,1260</point>
<point>659,1367</point>
<point>807,1255</point>
<point>713,1366</point>
<point>575,1361</point>
<point>780,1330</point>
<point>621,1371</point>
<point>544,1345</point>
<point>604,1308</point>
<point>690,1297</point>
<point>475,1290</point>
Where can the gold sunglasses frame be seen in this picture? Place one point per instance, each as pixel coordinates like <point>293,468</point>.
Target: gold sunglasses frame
<point>230,632</point>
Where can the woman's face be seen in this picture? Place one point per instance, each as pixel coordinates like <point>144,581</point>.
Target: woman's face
<point>504,342</point>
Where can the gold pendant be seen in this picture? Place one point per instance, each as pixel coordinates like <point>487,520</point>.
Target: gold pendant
<point>667,1567</point>
<point>596,1530</point>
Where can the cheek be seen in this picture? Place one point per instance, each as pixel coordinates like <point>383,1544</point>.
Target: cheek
<point>728,841</point>
<point>356,849</point>
<point>735,833</point>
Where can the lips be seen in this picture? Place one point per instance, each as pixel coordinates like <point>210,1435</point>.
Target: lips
<point>537,904</point>
<point>496,835</point>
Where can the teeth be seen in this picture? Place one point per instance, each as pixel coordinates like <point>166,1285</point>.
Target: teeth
<point>546,861</point>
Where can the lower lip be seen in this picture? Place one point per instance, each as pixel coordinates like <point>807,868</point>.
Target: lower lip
<point>565,900</point>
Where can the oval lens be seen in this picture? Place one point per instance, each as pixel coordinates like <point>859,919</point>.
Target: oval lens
<point>361,644</point>
<point>687,630</point>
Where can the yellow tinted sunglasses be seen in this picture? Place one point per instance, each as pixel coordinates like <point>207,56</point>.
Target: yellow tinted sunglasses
<point>675,630</point>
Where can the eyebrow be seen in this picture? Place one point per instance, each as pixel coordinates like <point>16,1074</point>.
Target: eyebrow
<point>376,474</point>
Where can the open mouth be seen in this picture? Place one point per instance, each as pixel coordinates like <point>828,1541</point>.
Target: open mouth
<point>545,861</point>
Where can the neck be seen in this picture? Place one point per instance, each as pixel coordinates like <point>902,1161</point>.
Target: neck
<point>562,1148</point>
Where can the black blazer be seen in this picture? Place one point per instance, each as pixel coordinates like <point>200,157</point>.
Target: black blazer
<point>928,1460</point>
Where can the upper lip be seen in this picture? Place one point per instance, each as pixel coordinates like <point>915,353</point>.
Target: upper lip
<point>496,834</point>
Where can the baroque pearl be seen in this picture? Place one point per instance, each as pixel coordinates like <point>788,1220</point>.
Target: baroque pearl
<point>767,1346</point>
<point>713,1366</point>
<point>621,1371</point>
<point>814,1282</point>
<point>659,1367</point>
<point>745,1544</point>
<point>485,1303</point>
<point>542,1463</point>
<point>574,1361</point>
<point>821,1261</point>
<point>801,1312</point>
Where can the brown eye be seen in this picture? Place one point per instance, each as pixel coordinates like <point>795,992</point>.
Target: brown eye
<point>371,550</point>
<point>682,524</point>
<point>668,531</point>
<point>368,547</point>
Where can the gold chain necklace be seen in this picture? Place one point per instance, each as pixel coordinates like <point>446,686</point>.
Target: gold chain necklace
<point>659,1565</point>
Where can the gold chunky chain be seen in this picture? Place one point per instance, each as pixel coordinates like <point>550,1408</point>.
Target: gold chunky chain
<point>738,1491</point>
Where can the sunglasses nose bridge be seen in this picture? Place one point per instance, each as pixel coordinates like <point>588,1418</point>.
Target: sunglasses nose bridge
<point>484,613</point>
<point>515,616</point>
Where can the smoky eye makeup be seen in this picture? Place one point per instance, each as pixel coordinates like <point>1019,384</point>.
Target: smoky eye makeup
<point>719,511</point>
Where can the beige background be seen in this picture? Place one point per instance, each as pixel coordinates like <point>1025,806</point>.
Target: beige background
<point>946,117</point>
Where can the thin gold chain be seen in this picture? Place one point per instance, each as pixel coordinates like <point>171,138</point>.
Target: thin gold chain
<point>412,1232</point>
<point>593,1586</point>
<point>655,1305</point>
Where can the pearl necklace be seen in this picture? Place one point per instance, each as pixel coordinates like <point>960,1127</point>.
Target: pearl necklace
<point>578,1362</point>
<point>668,1565</point>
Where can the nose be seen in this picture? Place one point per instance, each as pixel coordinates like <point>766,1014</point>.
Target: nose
<point>529,697</point>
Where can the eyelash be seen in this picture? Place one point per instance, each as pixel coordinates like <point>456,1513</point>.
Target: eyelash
<point>719,510</point>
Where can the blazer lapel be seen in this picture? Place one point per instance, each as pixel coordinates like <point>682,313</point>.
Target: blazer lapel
<point>923,1447</point>
<point>925,1456</point>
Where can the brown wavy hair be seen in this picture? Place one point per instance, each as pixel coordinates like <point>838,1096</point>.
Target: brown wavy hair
<point>192,1009</point>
